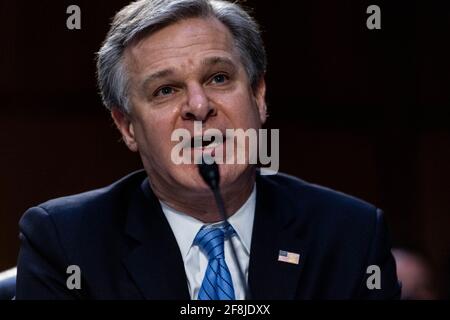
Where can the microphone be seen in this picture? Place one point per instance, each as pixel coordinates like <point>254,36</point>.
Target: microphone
<point>211,175</point>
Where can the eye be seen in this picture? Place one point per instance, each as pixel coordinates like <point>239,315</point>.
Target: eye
<point>164,91</point>
<point>219,78</point>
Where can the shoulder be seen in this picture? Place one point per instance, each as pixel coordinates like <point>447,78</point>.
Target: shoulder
<point>115,192</point>
<point>318,204</point>
<point>84,212</point>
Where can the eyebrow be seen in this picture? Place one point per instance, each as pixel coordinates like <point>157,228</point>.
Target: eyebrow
<point>157,75</point>
<point>212,61</point>
<point>208,62</point>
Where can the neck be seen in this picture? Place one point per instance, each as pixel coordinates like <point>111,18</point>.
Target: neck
<point>202,205</point>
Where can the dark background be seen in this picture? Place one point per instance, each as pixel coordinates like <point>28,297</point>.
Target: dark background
<point>362,111</point>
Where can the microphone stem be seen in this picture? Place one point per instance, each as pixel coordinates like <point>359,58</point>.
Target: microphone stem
<point>222,211</point>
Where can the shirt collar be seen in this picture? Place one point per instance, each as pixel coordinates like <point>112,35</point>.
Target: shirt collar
<point>242,221</point>
<point>185,227</point>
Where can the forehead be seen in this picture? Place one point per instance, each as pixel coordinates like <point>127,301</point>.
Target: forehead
<point>183,42</point>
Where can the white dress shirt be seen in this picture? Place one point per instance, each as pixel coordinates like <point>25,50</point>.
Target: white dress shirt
<point>185,228</point>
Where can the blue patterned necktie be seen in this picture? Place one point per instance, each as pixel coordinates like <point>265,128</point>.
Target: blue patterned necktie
<point>217,283</point>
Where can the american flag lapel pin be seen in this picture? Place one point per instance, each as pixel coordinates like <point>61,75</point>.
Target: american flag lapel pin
<point>289,257</point>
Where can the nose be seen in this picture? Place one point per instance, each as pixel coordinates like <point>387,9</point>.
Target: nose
<point>198,107</point>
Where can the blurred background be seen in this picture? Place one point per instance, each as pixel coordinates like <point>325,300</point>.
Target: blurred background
<point>362,111</point>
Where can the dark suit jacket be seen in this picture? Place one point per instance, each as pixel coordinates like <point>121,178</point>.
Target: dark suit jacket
<point>125,248</point>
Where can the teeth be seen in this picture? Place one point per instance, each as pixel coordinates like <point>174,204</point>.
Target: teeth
<point>213,145</point>
<point>203,142</point>
<point>210,145</point>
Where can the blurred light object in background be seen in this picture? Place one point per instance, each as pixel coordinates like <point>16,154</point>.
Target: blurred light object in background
<point>415,275</point>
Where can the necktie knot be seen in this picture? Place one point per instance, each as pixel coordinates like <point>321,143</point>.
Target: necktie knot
<point>211,240</point>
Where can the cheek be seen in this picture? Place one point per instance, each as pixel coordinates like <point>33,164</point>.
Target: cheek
<point>243,110</point>
<point>153,136</point>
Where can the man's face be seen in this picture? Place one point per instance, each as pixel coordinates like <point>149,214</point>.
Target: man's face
<point>188,71</point>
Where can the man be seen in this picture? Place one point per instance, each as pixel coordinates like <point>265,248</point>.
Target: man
<point>415,275</point>
<point>157,234</point>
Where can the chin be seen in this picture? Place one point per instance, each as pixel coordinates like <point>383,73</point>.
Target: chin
<point>230,173</point>
<point>189,177</point>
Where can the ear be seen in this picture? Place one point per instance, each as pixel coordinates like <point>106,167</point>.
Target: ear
<point>125,126</point>
<point>260,96</point>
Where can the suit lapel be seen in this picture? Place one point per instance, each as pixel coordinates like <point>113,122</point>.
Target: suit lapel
<point>154,260</point>
<point>275,228</point>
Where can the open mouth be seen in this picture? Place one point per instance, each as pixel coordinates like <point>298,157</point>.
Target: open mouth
<point>205,142</point>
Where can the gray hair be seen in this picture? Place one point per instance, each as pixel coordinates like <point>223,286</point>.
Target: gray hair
<point>143,17</point>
